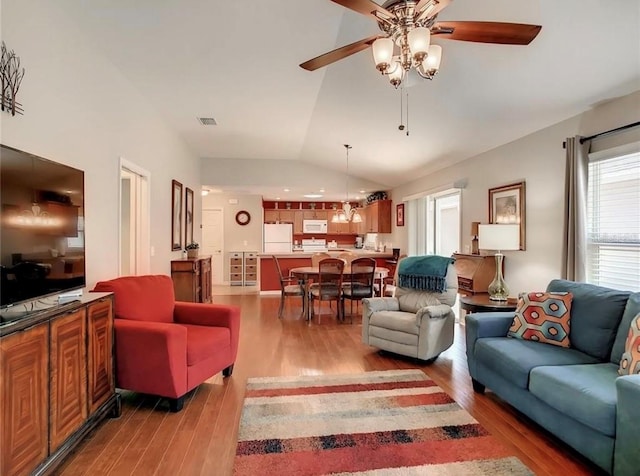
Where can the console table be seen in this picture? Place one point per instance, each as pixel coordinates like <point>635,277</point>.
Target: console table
<point>57,381</point>
<point>192,279</point>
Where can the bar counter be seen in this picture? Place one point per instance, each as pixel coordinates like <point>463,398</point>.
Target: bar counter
<point>270,281</point>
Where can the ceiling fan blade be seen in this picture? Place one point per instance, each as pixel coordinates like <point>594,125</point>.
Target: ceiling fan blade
<point>338,54</point>
<point>431,11</point>
<point>366,7</point>
<point>487,32</point>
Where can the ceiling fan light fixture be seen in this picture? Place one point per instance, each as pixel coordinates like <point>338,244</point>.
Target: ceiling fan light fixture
<point>431,65</point>
<point>396,74</point>
<point>419,39</point>
<point>382,50</point>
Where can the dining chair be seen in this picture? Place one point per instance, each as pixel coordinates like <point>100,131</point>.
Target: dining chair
<point>329,285</point>
<point>389,283</point>
<point>289,286</point>
<point>317,257</point>
<point>359,284</point>
<point>347,256</point>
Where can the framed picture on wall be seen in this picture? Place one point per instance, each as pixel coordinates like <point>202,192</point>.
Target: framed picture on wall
<point>176,215</point>
<point>188,216</point>
<point>507,206</point>
<point>400,214</point>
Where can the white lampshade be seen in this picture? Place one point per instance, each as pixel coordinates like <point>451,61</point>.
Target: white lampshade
<point>396,74</point>
<point>419,39</point>
<point>499,237</point>
<point>382,50</point>
<point>357,218</point>
<point>432,64</point>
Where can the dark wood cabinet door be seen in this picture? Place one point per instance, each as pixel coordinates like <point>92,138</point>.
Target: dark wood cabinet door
<point>206,280</point>
<point>23,400</point>
<point>99,350</point>
<point>68,391</point>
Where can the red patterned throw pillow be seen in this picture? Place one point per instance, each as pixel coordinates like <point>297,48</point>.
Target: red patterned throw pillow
<point>630,362</point>
<point>543,317</point>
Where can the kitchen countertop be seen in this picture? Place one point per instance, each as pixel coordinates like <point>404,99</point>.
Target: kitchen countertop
<point>362,253</point>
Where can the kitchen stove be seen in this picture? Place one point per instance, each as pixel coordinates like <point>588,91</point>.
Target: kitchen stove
<point>314,246</point>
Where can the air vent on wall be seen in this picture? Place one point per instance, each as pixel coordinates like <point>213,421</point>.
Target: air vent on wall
<point>207,121</point>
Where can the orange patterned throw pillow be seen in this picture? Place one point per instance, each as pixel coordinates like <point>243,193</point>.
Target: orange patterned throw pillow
<point>630,362</point>
<point>543,317</point>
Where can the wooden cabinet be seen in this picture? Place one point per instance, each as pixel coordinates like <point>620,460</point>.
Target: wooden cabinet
<point>99,362</point>
<point>192,279</point>
<point>314,214</point>
<point>45,403</point>
<point>279,216</point>
<point>298,217</point>
<point>24,390</point>
<point>475,272</point>
<point>68,376</point>
<point>377,217</point>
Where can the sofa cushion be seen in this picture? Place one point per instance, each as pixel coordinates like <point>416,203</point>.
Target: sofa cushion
<point>396,321</point>
<point>586,393</point>
<point>513,359</point>
<point>596,313</point>
<point>141,298</point>
<point>204,342</point>
<point>630,361</point>
<point>543,317</point>
<point>630,311</point>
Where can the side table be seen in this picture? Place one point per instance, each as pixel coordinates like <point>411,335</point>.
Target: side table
<point>482,303</point>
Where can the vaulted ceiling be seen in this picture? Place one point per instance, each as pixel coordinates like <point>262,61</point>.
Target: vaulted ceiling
<point>237,61</point>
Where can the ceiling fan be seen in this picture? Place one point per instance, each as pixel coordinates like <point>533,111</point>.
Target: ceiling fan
<point>407,27</point>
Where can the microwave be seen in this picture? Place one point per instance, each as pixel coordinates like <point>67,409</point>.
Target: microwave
<point>314,226</point>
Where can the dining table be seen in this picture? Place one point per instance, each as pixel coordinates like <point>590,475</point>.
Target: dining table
<point>307,274</point>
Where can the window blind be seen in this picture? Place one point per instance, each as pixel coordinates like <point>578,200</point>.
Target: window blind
<point>613,222</point>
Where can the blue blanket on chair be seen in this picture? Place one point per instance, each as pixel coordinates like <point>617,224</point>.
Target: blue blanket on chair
<point>425,273</point>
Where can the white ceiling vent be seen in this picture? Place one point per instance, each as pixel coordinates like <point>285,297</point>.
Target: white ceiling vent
<point>207,121</point>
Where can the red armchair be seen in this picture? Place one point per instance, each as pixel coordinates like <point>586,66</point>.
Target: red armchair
<point>166,347</point>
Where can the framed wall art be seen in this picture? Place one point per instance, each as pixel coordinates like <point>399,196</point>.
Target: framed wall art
<point>507,206</point>
<point>400,214</point>
<point>176,215</point>
<point>188,216</point>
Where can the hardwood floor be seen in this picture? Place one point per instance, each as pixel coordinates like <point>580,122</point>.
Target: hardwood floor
<point>201,439</point>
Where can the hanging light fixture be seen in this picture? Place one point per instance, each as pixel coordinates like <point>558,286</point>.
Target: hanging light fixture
<point>347,214</point>
<point>409,31</point>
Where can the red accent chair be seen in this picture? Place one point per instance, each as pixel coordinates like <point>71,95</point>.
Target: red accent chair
<point>166,347</point>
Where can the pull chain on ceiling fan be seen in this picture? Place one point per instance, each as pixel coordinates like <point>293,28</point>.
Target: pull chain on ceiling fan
<point>408,26</point>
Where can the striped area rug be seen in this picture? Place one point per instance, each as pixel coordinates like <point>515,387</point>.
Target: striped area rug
<point>391,423</point>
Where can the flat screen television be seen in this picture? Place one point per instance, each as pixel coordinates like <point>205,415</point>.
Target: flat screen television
<point>42,251</point>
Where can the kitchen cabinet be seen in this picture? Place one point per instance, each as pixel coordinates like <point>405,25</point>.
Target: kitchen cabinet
<point>378,217</point>
<point>298,217</point>
<point>45,363</point>
<point>192,279</point>
<point>314,214</point>
<point>279,216</point>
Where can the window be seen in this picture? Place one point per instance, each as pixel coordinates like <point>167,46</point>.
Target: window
<point>613,222</point>
<point>434,223</point>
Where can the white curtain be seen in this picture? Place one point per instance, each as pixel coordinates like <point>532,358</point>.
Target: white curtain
<point>574,253</point>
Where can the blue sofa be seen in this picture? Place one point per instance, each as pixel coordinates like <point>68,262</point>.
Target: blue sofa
<point>575,393</point>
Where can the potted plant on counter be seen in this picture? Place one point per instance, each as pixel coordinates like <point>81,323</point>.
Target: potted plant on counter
<point>192,249</point>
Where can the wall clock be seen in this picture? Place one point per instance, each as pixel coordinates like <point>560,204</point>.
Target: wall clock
<point>243,217</point>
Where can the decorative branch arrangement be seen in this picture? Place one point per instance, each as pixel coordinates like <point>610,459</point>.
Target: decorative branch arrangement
<point>10,78</point>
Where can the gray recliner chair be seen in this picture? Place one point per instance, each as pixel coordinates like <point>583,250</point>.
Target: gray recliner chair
<point>414,323</point>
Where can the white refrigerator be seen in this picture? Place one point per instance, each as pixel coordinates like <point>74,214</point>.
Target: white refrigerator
<point>277,238</point>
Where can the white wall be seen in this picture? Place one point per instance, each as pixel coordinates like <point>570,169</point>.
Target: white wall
<point>539,160</point>
<point>238,237</point>
<point>81,111</point>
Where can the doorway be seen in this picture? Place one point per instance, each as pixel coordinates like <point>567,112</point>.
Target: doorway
<point>135,245</point>
<point>213,241</point>
<point>445,218</point>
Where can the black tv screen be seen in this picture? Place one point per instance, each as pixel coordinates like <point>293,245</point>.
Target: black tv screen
<point>42,240</point>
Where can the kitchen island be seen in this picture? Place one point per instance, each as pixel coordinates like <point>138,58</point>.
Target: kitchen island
<point>270,281</point>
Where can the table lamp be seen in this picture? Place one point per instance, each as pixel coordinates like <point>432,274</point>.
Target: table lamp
<point>500,238</point>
